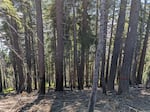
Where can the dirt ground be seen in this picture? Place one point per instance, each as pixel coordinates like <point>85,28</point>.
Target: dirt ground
<point>76,101</point>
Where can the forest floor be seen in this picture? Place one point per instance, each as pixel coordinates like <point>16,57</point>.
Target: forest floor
<point>76,101</point>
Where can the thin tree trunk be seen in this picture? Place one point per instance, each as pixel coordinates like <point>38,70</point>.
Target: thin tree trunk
<point>110,44</point>
<point>99,53</point>
<point>87,69</point>
<point>97,15</point>
<point>28,55</point>
<point>141,65</point>
<point>34,64</point>
<point>104,49</point>
<point>13,60</point>
<point>65,75</point>
<point>31,53</point>
<point>54,55</point>
<point>70,72</point>
<point>75,44</point>
<point>1,86</point>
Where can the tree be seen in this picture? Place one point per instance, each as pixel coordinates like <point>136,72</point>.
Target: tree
<point>75,44</point>
<point>14,38</point>
<point>104,48</point>
<point>110,42</point>
<point>129,48</point>
<point>27,45</point>
<point>99,53</point>
<point>143,54</point>
<point>1,87</point>
<point>137,53</point>
<point>117,45</point>
<point>83,37</point>
<point>60,45</point>
<point>40,37</point>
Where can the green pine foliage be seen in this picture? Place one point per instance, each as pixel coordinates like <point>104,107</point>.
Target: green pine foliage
<point>7,9</point>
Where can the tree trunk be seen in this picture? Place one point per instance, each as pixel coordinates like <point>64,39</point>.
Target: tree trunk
<point>60,45</point>
<point>65,75</point>
<point>87,69</point>
<point>142,58</point>
<point>75,45</point>
<point>110,44</point>
<point>83,35</point>
<point>34,64</point>
<point>117,45</point>
<point>40,36</point>
<point>28,54</point>
<point>99,53</point>
<point>102,81</point>
<point>1,87</point>
<point>13,60</point>
<point>129,48</point>
<point>138,46</point>
<point>17,55</point>
<point>97,11</point>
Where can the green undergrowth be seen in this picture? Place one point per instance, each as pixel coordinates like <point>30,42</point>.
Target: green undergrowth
<point>52,85</point>
<point>8,90</point>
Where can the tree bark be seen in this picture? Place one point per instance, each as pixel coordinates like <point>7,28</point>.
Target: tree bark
<point>75,45</point>
<point>102,81</point>
<point>28,53</point>
<point>87,69</point>
<point>18,56</point>
<point>142,58</point>
<point>99,53</point>
<point>40,36</point>
<point>117,45</point>
<point>60,45</point>
<point>110,44</point>
<point>1,87</point>
<point>137,53</point>
<point>129,48</point>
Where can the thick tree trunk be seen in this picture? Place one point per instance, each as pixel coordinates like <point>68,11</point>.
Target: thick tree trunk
<point>117,45</point>
<point>129,48</point>
<point>60,45</point>
<point>99,53</point>
<point>138,46</point>
<point>40,36</point>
